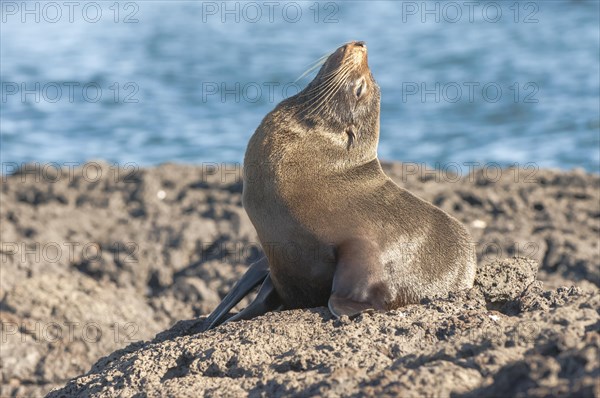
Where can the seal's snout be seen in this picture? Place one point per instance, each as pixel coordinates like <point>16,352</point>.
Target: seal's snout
<point>355,52</point>
<point>356,46</point>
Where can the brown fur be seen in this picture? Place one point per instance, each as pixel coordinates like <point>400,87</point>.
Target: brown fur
<point>315,191</point>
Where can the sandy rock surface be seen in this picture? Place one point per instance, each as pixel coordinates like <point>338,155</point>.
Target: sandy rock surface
<point>99,259</point>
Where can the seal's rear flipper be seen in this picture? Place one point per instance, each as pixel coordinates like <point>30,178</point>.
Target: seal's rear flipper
<point>255,275</point>
<point>266,300</point>
<point>357,282</point>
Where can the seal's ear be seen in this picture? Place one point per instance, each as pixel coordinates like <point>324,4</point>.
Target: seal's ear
<point>358,280</point>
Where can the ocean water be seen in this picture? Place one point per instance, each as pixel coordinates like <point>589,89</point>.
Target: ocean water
<point>180,81</point>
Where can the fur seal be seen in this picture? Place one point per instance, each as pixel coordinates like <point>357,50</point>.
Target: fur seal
<point>335,229</point>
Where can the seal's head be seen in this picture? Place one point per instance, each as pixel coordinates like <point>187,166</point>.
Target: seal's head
<point>343,98</point>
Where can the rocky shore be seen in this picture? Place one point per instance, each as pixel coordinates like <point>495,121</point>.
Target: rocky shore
<point>102,269</point>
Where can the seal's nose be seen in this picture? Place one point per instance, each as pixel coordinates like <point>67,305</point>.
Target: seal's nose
<point>355,45</point>
<point>359,47</point>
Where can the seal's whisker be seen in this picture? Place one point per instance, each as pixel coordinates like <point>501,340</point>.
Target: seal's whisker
<point>326,95</point>
<point>336,70</point>
<point>321,86</point>
<point>340,75</point>
<point>323,91</point>
<point>319,62</point>
<point>316,106</point>
<point>328,79</point>
<point>332,92</point>
<point>319,100</point>
<point>332,74</point>
<point>325,85</point>
<point>309,70</point>
<point>324,57</point>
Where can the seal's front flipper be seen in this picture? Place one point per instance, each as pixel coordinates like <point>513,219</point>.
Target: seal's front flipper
<point>358,280</point>
<point>345,306</point>
<point>255,275</point>
<point>266,300</point>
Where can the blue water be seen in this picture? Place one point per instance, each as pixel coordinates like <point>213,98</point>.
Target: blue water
<point>161,78</point>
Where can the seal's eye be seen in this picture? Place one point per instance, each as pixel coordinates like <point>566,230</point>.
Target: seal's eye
<point>359,88</point>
